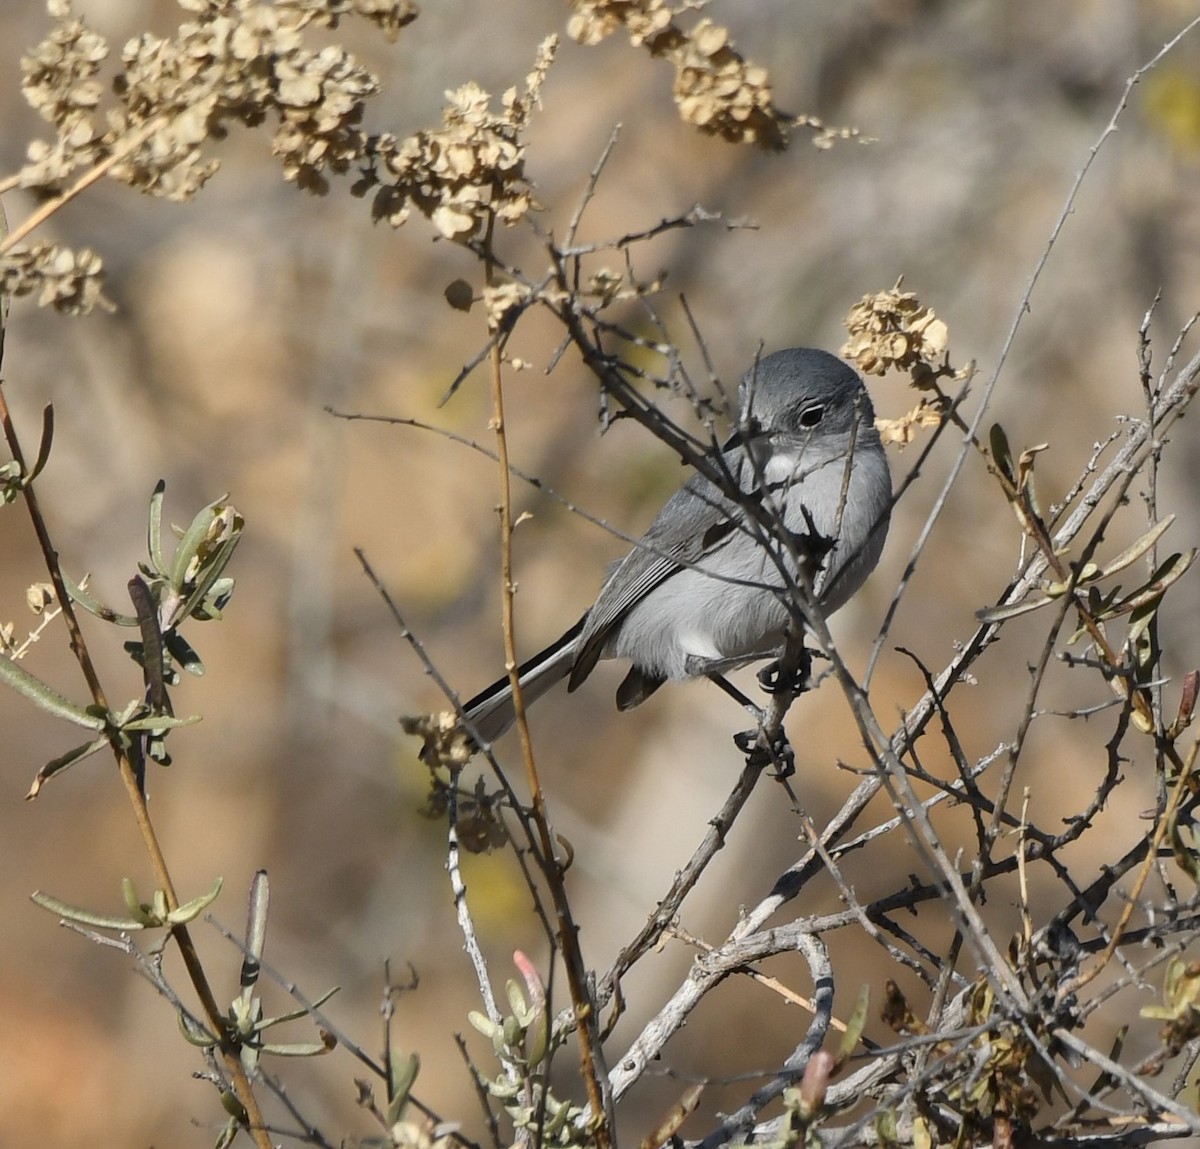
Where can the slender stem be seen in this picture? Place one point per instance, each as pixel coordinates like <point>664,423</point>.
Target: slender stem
<point>595,1074</point>
<point>1183,787</point>
<point>591,1055</point>
<point>85,181</point>
<point>187,949</point>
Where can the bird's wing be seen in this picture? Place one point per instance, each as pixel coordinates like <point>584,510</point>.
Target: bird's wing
<point>692,523</point>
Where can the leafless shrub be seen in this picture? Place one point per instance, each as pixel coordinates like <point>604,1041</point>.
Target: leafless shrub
<point>1002,1054</point>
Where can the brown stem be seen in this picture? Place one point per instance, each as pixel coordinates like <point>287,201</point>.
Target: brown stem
<point>1183,786</point>
<point>125,767</point>
<point>85,181</point>
<point>595,1074</point>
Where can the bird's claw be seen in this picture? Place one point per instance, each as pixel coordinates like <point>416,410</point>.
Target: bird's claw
<point>778,752</point>
<point>775,679</point>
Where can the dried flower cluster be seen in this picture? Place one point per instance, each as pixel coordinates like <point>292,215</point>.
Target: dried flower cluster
<point>723,94</point>
<point>892,329</point>
<point>70,281</point>
<point>716,88</point>
<point>387,15</point>
<point>58,78</point>
<point>238,60</point>
<point>900,432</point>
<point>445,744</point>
<point>241,61</point>
<point>502,301</point>
<point>467,173</point>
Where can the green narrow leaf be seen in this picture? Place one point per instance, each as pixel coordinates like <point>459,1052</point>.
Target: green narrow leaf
<point>1136,550</point>
<point>1002,453</point>
<point>297,1014</point>
<point>1143,603</point>
<point>185,913</point>
<point>158,723</point>
<point>232,1129</point>
<point>134,906</point>
<point>234,1107</point>
<point>212,569</point>
<point>1137,638</point>
<point>855,1025</point>
<point>1025,478</point>
<point>1103,606</point>
<point>483,1023</point>
<point>46,697</point>
<point>67,760</point>
<point>154,528</point>
<point>194,1033</point>
<point>1011,610</point>
<point>191,542</point>
<point>82,916</point>
<point>96,607</point>
<point>298,1049</point>
<point>43,453</point>
<point>1168,573</point>
<point>516,1001</point>
<point>404,1077</point>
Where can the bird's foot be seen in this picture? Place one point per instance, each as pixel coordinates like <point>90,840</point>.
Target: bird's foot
<point>763,752</point>
<point>774,678</point>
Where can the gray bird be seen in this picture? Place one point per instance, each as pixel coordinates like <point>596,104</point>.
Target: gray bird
<point>706,589</point>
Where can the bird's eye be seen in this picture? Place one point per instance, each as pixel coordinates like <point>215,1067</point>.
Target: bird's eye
<point>811,416</point>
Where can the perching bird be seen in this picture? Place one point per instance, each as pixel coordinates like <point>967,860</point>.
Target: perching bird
<point>705,590</point>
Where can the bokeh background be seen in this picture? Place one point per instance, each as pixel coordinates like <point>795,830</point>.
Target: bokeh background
<point>243,315</point>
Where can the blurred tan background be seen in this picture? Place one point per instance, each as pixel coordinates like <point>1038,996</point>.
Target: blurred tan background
<point>242,315</point>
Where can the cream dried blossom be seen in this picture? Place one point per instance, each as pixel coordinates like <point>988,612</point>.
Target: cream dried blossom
<point>445,743</point>
<point>320,101</point>
<point>50,163</point>
<point>894,330</point>
<point>59,81</point>
<point>387,15</point>
<point>39,597</point>
<point>467,173</point>
<point>716,89</point>
<point>501,301</point>
<point>595,20</point>
<point>69,281</point>
<point>900,432</point>
<point>605,284</point>
<point>238,60</point>
<point>58,77</point>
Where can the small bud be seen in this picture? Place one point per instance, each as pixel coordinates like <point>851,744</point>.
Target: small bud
<point>814,1085</point>
<point>39,596</point>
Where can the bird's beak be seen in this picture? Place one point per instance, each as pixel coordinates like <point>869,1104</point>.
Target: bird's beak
<point>746,435</point>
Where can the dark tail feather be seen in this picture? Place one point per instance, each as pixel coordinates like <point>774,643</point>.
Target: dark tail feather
<point>636,687</point>
<point>491,711</point>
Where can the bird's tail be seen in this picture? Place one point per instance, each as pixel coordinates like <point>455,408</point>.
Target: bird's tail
<point>491,712</point>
